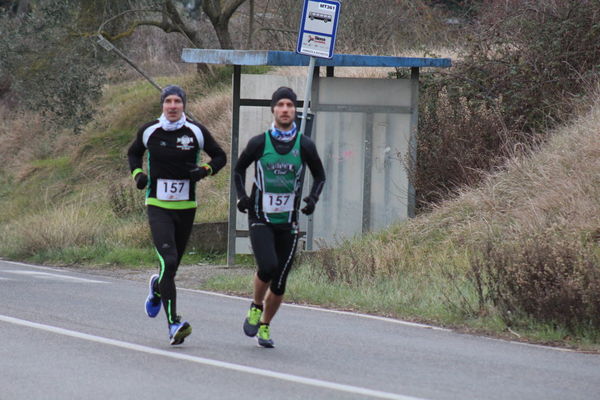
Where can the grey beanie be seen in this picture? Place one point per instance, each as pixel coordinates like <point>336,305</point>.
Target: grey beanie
<point>283,93</point>
<point>172,89</point>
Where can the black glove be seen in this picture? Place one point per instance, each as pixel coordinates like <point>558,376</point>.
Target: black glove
<point>197,172</point>
<point>309,208</point>
<point>141,180</point>
<point>243,204</point>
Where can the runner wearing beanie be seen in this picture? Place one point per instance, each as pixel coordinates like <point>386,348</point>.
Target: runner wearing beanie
<point>174,144</point>
<point>279,156</point>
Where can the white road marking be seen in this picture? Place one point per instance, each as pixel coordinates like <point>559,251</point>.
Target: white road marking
<point>210,362</point>
<point>55,277</point>
<point>314,308</point>
<point>29,265</point>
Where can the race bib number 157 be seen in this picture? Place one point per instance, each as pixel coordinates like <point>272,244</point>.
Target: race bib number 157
<point>173,189</point>
<point>278,202</point>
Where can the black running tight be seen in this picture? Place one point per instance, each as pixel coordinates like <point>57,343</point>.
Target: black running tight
<point>171,230</point>
<point>274,248</point>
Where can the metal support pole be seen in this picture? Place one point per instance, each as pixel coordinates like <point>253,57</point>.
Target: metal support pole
<point>235,139</point>
<point>307,93</point>
<point>108,46</point>
<point>368,173</point>
<point>412,146</point>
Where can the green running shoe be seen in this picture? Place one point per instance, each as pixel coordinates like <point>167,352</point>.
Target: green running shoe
<point>264,336</point>
<point>252,320</point>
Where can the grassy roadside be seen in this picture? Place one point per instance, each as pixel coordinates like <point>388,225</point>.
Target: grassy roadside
<point>398,298</point>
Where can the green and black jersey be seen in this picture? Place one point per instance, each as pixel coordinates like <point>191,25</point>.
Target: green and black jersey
<point>278,170</point>
<point>170,157</point>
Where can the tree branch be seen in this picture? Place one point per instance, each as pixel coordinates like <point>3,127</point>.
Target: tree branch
<point>101,27</point>
<point>166,27</point>
<point>169,10</point>
<point>220,13</point>
<point>174,16</point>
<point>210,9</point>
<point>230,7</point>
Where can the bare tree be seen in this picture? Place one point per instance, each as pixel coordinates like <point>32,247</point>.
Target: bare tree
<point>220,12</point>
<point>250,25</point>
<point>16,7</point>
<point>169,19</point>
<point>22,7</point>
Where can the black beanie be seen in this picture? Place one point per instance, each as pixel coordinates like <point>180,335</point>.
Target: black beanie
<point>172,89</point>
<point>283,93</point>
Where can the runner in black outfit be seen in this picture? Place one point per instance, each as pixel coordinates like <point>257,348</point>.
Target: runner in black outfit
<point>279,155</point>
<point>173,143</point>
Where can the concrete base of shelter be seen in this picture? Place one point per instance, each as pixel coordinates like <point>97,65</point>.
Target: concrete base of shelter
<point>209,237</point>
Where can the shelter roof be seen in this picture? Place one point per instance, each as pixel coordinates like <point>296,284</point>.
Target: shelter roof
<point>289,58</point>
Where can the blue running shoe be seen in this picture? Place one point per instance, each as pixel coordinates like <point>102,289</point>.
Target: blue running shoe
<point>178,331</point>
<point>153,303</point>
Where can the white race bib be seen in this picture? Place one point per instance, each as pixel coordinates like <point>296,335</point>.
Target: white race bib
<point>278,202</point>
<point>173,189</point>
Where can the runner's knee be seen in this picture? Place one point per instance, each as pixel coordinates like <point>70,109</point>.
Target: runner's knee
<point>267,274</point>
<point>277,288</point>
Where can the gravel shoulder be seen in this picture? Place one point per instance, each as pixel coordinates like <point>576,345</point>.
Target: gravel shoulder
<point>188,276</point>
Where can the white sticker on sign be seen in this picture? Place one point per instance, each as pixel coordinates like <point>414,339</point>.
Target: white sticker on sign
<point>315,45</point>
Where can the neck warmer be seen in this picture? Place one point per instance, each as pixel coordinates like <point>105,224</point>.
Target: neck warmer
<point>171,126</point>
<point>284,136</point>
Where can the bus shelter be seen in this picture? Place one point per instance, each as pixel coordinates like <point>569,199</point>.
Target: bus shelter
<point>365,130</point>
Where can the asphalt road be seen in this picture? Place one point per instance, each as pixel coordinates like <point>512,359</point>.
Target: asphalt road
<point>66,335</point>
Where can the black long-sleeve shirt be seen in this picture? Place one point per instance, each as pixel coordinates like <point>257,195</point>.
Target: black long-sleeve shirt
<point>254,151</point>
<point>171,156</point>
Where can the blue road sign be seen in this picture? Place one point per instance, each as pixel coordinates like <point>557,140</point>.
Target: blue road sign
<point>318,27</point>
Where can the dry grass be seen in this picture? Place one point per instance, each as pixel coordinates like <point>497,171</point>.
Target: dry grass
<point>215,111</point>
<point>72,225</point>
<point>24,139</point>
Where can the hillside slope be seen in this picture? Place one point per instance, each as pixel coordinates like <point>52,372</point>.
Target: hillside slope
<point>68,198</point>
